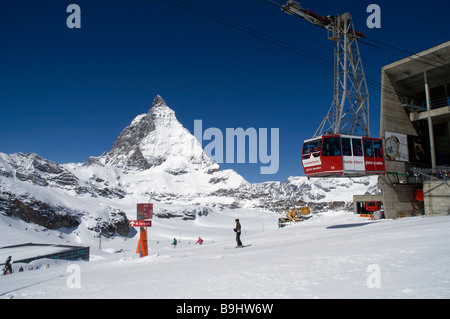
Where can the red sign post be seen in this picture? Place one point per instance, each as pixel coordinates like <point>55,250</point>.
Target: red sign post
<point>144,211</point>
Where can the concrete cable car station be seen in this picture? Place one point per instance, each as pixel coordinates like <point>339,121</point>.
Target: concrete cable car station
<point>415,129</point>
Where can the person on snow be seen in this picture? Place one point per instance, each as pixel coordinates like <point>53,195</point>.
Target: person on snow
<point>199,241</point>
<point>8,267</point>
<point>237,230</point>
<point>174,243</point>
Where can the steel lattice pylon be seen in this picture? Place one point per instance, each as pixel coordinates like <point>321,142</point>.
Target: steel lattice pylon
<point>349,112</point>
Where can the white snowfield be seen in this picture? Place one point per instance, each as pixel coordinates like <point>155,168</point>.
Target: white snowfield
<point>332,255</point>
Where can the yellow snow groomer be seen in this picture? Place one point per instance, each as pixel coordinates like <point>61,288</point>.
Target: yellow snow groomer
<point>295,215</point>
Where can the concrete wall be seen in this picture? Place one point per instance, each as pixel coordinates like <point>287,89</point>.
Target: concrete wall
<point>393,117</point>
<point>436,197</point>
<point>398,199</point>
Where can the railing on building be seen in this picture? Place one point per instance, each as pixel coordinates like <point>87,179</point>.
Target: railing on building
<point>420,175</point>
<point>413,107</point>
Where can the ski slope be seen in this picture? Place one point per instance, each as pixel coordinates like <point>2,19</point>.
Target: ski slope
<point>332,255</point>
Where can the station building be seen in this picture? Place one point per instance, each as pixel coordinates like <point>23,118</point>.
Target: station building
<point>415,129</point>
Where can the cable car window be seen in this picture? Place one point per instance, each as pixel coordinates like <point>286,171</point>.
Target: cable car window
<point>377,148</point>
<point>311,147</point>
<point>368,148</point>
<point>331,146</point>
<point>357,147</point>
<point>346,146</point>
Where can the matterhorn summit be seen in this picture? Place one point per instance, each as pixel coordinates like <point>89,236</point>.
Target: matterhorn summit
<point>156,155</point>
<point>154,138</point>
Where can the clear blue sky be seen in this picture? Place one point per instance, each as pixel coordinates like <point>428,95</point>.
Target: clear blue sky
<point>66,94</point>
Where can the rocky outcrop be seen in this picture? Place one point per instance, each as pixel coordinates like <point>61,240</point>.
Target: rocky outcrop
<point>118,224</point>
<point>188,213</point>
<point>37,212</point>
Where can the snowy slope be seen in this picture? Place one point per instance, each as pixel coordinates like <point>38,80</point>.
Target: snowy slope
<point>333,255</point>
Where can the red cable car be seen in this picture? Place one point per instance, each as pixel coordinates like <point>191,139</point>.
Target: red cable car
<point>342,156</point>
<point>336,150</point>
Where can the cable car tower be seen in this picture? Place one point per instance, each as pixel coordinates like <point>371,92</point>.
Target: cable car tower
<point>349,112</point>
<point>341,146</point>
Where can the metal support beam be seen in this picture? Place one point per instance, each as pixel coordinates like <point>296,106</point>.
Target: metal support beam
<point>430,122</point>
<point>349,112</point>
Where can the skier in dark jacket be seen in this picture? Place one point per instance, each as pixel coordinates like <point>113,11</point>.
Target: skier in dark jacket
<point>237,229</point>
<point>8,267</point>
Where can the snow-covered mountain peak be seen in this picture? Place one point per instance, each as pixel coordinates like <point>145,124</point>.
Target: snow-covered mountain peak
<point>162,116</point>
<point>158,101</point>
<point>151,139</point>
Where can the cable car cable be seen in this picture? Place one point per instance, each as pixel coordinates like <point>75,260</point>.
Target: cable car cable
<point>249,31</point>
<point>411,55</point>
<point>315,59</point>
